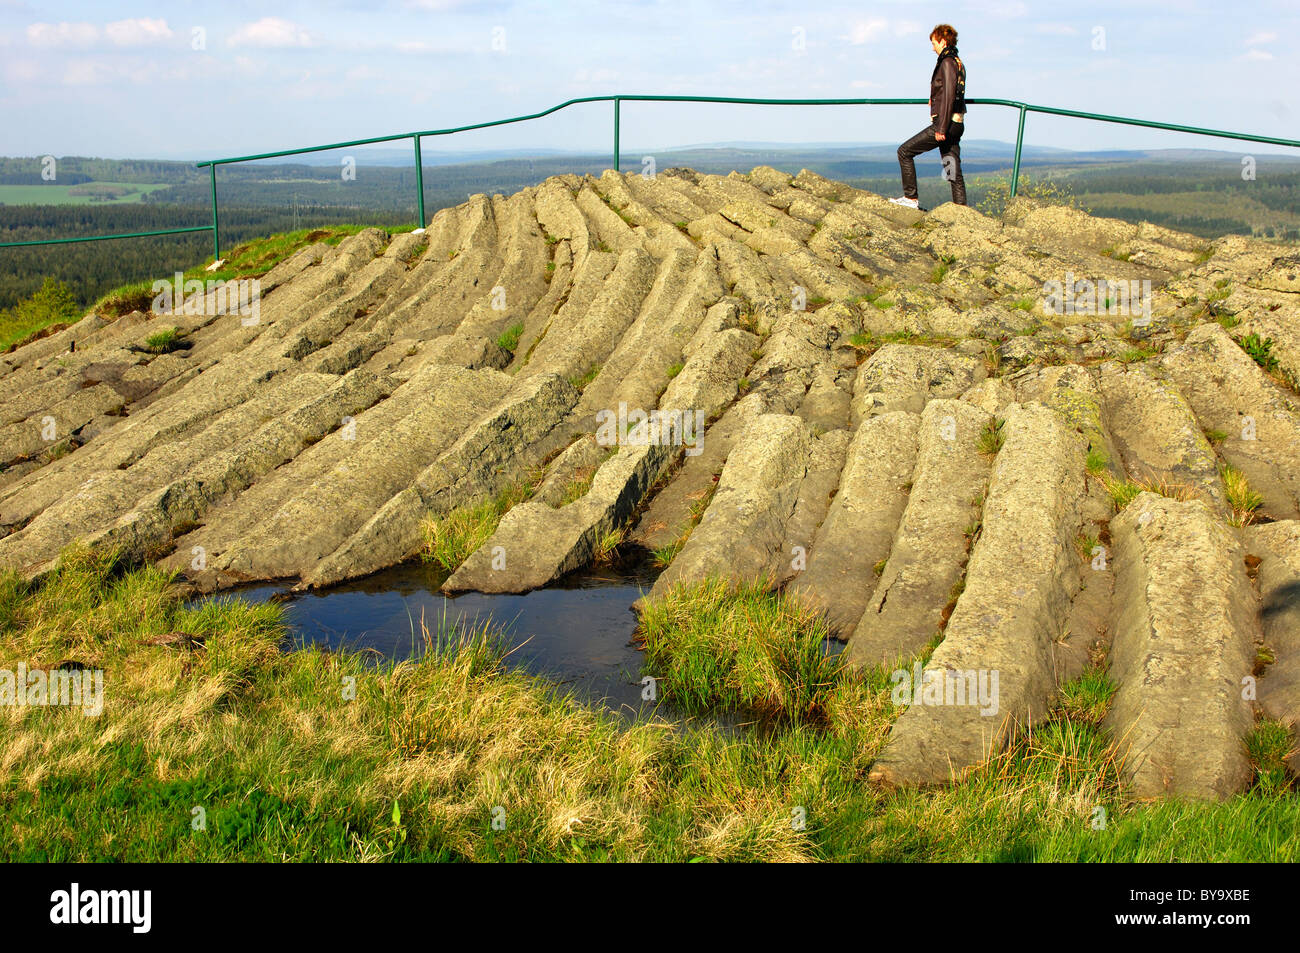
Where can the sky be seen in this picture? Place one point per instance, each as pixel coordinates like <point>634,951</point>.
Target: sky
<point>205,80</point>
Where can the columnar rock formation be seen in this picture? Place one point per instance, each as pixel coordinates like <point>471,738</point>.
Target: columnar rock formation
<point>765,377</point>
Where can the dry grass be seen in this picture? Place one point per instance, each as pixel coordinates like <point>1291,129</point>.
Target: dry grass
<point>313,755</point>
<point>1124,492</point>
<point>1243,500</point>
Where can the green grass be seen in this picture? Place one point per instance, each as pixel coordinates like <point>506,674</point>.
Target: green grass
<point>663,555</point>
<point>1096,461</point>
<point>1124,492</point>
<point>578,486</point>
<point>869,343</point>
<point>50,304</point>
<point>1084,544</point>
<point>941,270</point>
<point>746,649</point>
<point>581,381</point>
<point>991,437</point>
<point>1260,351</point>
<point>1134,355</point>
<point>324,756</point>
<point>878,300</point>
<point>52,193</point>
<point>449,540</point>
<point>509,338</point>
<point>251,259</point>
<point>1268,746</point>
<point>607,546</point>
<point>1242,500</point>
<point>163,340</point>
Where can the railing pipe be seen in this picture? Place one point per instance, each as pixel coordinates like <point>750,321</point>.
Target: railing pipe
<point>1023,108</point>
<point>1020,139</point>
<point>419,179</point>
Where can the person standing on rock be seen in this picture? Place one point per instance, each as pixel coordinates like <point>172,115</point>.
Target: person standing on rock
<point>947,115</point>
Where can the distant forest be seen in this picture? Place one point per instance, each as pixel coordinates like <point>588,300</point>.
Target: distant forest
<point>1203,195</point>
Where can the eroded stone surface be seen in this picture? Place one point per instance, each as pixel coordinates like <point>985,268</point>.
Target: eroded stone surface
<point>824,344</point>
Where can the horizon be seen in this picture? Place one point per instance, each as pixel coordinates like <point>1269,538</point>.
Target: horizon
<point>319,75</point>
<point>389,152</point>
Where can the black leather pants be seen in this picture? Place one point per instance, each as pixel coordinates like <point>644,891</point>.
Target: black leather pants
<point>949,150</point>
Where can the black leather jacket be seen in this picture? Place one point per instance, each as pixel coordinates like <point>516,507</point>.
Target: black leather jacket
<point>947,89</point>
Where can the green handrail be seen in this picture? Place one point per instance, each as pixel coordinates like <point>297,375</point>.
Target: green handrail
<point>101,238</point>
<point>618,100</point>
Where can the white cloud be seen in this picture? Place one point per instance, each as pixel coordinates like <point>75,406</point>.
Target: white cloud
<point>17,72</point>
<point>865,31</point>
<point>138,32</point>
<point>1264,36</point>
<point>50,35</point>
<point>1259,55</point>
<point>1056,29</point>
<point>585,75</point>
<point>1003,9</point>
<point>106,71</point>
<point>270,32</point>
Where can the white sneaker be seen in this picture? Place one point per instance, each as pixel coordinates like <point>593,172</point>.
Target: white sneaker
<point>907,203</point>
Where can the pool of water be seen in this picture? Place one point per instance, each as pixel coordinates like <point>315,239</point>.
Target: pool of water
<point>577,633</point>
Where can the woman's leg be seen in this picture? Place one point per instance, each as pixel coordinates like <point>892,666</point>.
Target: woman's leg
<point>923,141</point>
<point>950,151</point>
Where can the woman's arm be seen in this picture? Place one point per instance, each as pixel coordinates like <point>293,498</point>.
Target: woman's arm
<point>943,116</point>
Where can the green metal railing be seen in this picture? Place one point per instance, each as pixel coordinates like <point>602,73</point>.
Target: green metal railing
<point>618,100</point>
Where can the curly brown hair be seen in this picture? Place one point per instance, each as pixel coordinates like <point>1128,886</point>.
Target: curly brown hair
<point>944,33</point>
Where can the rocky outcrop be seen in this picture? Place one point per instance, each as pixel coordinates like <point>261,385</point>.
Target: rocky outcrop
<point>761,376</point>
<point>1184,645</point>
<point>1014,605</point>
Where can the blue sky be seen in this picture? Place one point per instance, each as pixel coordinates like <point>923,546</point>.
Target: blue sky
<point>126,79</point>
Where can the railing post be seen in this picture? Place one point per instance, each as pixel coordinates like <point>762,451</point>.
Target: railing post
<point>616,105</point>
<point>1020,139</point>
<point>216,237</point>
<point>419,178</point>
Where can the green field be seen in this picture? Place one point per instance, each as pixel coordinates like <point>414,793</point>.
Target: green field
<point>82,194</point>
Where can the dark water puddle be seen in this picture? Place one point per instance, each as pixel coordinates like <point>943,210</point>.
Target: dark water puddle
<point>576,633</point>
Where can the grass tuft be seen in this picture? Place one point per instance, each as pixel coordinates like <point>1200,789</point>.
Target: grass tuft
<point>746,649</point>
<point>509,338</point>
<point>449,540</point>
<point>991,437</point>
<point>1243,500</point>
